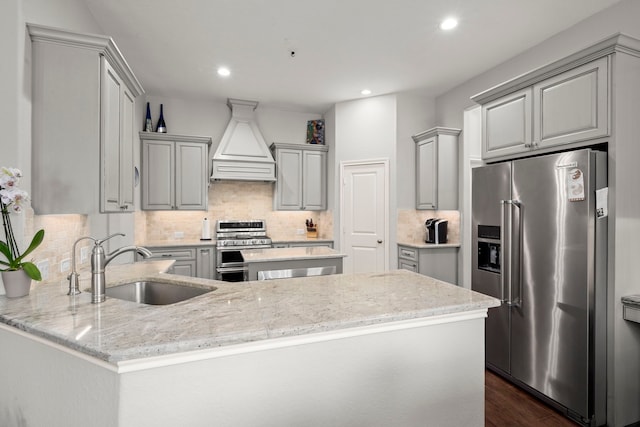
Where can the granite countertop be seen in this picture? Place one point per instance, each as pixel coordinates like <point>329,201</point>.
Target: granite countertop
<point>420,244</point>
<point>233,313</point>
<point>289,254</point>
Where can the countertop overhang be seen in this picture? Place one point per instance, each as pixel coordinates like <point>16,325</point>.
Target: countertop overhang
<point>244,313</point>
<point>289,254</point>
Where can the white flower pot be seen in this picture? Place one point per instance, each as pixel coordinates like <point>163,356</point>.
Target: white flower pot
<point>16,283</point>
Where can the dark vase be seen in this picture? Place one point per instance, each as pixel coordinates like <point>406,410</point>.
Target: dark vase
<point>161,127</point>
<point>148,124</point>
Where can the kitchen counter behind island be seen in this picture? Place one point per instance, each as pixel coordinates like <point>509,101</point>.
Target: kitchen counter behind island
<point>378,349</point>
<point>274,263</point>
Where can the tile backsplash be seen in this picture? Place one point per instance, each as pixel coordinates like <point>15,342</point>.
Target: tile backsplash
<point>231,200</point>
<point>411,229</point>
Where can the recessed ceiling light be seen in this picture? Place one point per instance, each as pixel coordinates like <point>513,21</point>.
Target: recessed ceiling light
<point>224,72</point>
<point>449,24</point>
<point>365,92</point>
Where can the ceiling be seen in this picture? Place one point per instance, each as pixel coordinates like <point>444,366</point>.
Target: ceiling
<point>341,46</point>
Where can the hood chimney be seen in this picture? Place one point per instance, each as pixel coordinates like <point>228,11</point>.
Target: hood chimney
<point>243,153</point>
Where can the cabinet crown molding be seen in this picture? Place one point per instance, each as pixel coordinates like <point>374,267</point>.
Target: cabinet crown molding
<point>103,45</point>
<point>438,130</point>
<point>315,147</point>
<point>615,43</point>
<point>161,136</point>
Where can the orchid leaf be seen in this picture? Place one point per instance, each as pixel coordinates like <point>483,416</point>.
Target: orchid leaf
<point>31,270</point>
<point>4,249</point>
<point>37,239</point>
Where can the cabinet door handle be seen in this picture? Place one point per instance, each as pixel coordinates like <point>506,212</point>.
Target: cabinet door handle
<point>379,241</point>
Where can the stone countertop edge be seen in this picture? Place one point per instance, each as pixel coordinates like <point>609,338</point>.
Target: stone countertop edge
<point>423,245</point>
<point>168,243</point>
<point>232,314</point>
<point>289,254</point>
<point>632,301</point>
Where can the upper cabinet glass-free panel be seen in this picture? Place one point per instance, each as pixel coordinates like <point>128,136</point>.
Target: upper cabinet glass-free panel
<point>82,124</point>
<point>572,106</point>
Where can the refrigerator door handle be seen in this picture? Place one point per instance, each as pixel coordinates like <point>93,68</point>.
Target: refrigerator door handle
<point>504,253</point>
<point>517,301</point>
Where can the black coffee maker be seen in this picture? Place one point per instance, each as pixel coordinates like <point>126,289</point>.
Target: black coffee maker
<point>436,230</point>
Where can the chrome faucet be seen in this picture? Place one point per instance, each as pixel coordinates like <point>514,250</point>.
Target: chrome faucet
<point>99,261</point>
<point>74,286</point>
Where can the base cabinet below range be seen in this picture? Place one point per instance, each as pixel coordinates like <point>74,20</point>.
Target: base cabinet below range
<point>193,261</point>
<point>439,263</point>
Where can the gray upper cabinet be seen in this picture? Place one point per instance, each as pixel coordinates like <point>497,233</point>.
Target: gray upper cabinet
<point>437,168</point>
<point>83,123</point>
<point>562,104</point>
<point>507,124</point>
<point>572,106</point>
<point>301,172</point>
<point>117,131</point>
<point>174,171</point>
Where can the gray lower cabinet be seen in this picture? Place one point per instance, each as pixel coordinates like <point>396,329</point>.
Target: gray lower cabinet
<point>440,263</point>
<point>192,261</point>
<point>437,169</point>
<point>301,172</point>
<point>174,172</point>
<point>560,105</point>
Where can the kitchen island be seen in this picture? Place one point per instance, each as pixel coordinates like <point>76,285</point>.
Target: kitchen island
<point>367,349</point>
<point>275,263</point>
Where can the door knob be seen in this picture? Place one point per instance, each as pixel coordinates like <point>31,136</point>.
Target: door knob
<point>379,241</point>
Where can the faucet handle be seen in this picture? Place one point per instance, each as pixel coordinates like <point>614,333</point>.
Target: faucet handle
<point>101,241</point>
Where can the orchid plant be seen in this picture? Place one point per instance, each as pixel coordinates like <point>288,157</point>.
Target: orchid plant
<point>12,199</point>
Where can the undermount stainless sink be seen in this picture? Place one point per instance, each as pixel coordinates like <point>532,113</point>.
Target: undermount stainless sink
<point>155,293</point>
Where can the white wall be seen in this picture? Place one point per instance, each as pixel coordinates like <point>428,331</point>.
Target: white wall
<point>210,118</point>
<point>624,339</point>
<point>366,129</point>
<point>415,114</point>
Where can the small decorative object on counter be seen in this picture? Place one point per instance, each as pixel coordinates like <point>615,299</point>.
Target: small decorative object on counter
<point>161,127</point>
<point>16,273</point>
<point>315,132</point>
<point>312,229</point>
<point>148,124</point>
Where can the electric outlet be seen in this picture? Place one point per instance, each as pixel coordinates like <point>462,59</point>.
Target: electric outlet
<point>65,265</point>
<point>43,266</point>
<point>300,231</point>
<point>178,234</point>
<point>84,254</point>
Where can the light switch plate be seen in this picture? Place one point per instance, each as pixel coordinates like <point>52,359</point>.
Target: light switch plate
<point>43,266</point>
<point>300,231</point>
<point>178,234</point>
<point>84,254</point>
<point>65,265</point>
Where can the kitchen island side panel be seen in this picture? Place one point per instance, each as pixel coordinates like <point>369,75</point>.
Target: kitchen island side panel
<point>428,375</point>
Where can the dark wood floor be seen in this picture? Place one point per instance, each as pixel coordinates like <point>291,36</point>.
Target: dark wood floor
<point>507,405</point>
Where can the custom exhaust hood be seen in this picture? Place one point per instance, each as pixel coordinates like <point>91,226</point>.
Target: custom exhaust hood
<point>243,153</point>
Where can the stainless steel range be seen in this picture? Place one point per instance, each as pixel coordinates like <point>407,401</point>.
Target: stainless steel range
<point>232,236</point>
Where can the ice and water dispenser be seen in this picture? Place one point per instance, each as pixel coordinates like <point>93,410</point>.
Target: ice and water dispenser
<point>489,248</point>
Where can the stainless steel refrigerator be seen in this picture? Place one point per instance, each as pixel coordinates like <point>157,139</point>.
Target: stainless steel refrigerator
<point>540,246</point>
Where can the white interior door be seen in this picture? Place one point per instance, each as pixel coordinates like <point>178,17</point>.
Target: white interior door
<point>364,216</point>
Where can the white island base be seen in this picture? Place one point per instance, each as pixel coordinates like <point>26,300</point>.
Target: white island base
<point>418,372</point>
